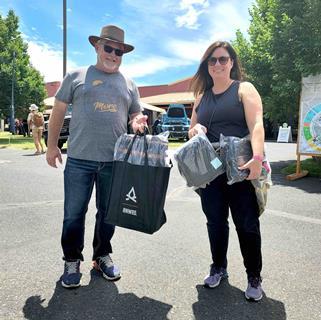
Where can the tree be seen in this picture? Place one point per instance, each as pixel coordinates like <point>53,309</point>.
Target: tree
<point>255,53</point>
<point>284,45</point>
<point>304,33</point>
<point>29,84</point>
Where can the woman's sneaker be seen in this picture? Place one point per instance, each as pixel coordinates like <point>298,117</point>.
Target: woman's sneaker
<point>71,276</point>
<point>215,277</point>
<point>254,291</point>
<point>108,269</point>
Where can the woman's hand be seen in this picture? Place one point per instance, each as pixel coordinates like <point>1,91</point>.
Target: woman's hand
<point>255,167</point>
<point>196,130</point>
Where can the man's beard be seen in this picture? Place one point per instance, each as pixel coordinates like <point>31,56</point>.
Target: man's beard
<point>110,66</point>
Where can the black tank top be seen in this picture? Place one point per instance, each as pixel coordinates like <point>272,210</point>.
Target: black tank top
<point>228,113</point>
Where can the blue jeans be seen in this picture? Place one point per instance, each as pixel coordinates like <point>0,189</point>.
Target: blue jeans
<point>80,176</point>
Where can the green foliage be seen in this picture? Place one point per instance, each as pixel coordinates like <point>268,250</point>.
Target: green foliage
<point>28,83</point>
<point>312,165</point>
<point>284,45</point>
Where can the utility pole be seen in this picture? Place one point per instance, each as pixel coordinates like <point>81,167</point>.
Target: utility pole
<point>12,118</point>
<point>64,37</point>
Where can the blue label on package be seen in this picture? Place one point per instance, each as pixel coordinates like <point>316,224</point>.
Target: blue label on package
<point>216,163</point>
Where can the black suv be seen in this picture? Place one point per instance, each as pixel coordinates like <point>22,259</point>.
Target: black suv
<point>64,133</point>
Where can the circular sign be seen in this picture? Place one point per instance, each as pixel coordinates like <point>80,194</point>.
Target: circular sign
<point>312,127</point>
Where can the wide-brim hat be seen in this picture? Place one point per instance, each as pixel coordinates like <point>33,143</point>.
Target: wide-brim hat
<point>114,34</point>
<point>33,107</point>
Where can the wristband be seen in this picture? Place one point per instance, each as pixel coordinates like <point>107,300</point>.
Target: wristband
<point>257,157</point>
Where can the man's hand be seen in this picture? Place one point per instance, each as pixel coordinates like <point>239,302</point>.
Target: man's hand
<point>52,154</point>
<point>139,123</point>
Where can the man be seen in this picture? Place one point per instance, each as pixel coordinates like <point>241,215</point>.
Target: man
<point>35,128</point>
<point>102,100</point>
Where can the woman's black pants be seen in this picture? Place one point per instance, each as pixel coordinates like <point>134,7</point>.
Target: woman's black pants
<point>217,198</point>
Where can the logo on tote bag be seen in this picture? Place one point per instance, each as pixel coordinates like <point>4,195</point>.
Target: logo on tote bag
<point>131,195</point>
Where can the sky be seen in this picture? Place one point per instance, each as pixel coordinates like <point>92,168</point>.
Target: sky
<point>169,36</point>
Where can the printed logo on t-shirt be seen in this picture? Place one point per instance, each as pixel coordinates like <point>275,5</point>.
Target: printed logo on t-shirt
<point>105,107</point>
<point>96,83</point>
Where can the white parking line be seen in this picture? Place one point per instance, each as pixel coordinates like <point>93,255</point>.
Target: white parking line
<point>293,216</point>
<point>177,194</point>
<point>6,206</point>
<point>171,197</point>
<point>5,161</point>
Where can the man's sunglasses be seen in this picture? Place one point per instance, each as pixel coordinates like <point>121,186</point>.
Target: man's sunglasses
<point>222,60</point>
<point>110,49</point>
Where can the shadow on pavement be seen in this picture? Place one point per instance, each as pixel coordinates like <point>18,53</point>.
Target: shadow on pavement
<point>63,151</point>
<point>100,299</point>
<point>307,184</point>
<point>228,302</point>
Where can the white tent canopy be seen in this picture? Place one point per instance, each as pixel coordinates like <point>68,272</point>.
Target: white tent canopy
<point>49,102</point>
<point>151,107</point>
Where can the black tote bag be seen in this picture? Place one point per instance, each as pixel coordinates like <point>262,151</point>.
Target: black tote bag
<point>137,195</point>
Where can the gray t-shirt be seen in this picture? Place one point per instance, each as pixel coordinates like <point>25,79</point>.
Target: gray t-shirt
<point>101,103</point>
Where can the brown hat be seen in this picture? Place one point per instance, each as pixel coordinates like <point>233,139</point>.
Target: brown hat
<point>114,34</point>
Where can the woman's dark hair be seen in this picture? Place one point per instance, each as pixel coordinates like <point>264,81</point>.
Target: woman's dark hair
<point>202,81</point>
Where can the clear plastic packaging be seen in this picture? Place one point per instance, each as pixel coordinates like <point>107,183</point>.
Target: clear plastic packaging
<point>235,152</point>
<point>262,184</point>
<point>198,162</point>
<point>157,149</point>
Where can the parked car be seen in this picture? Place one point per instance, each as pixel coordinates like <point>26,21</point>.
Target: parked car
<point>64,133</point>
<point>176,122</point>
<point>157,125</point>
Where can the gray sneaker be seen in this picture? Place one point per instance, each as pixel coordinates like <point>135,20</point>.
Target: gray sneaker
<point>254,291</point>
<point>215,277</point>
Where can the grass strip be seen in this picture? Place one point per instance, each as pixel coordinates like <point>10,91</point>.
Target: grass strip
<point>312,165</point>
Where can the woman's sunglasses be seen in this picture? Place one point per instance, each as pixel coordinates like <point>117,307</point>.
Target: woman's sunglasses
<point>222,60</point>
<point>110,49</point>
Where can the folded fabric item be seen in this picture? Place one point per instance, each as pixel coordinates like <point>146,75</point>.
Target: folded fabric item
<point>157,147</point>
<point>235,152</point>
<point>198,162</point>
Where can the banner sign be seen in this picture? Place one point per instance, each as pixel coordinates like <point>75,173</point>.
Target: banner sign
<point>310,116</point>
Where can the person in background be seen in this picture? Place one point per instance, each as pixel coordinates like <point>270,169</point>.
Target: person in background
<point>20,127</point>
<point>36,129</point>
<point>226,105</point>
<point>102,100</point>
<point>157,122</point>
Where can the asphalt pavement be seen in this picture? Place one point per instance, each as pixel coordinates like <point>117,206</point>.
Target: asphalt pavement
<point>162,274</point>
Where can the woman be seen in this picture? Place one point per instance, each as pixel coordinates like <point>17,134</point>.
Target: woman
<point>226,105</point>
<point>36,130</point>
